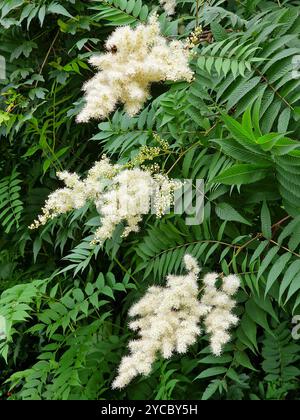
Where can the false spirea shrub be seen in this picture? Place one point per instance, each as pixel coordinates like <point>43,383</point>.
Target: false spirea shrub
<point>171,91</point>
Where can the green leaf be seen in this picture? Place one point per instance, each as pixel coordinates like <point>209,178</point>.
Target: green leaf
<point>232,374</point>
<point>210,390</point>
<point>58,9</point>
<point>214,371</point>
<point>267,261</point>
<point>223,359</point>
<point>9,6</point>
<point>257,315</point>
<point>289,276</point>
<point>225,212</point>
<point>42,14</point>
<point>242,359</point>
<point>266,224</point>
<point>249,328</point>
<point>242,174</point>
<point>276,270</point>
<point>237,130</point>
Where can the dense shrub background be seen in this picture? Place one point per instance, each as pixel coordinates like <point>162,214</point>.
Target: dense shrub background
<point>236,126</point>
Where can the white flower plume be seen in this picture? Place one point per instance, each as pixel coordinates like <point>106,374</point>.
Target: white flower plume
<point>168,320</point>
<point>169,6</point>
<point>135,59</point>
<point>119,194</point>
<point>217,306</point>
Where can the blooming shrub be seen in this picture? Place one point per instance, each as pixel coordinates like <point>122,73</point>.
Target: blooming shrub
<point>174,93</point>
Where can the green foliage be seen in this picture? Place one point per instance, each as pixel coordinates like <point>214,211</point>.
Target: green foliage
<point>227,55</point>
<point>121,12</point>
<point>280,355</point>
<point>10,204</point>
<point>236,126</point>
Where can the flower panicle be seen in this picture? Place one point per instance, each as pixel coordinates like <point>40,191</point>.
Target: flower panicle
<point>120,194</point>
<point>168,319</point>
<point>135,59</point>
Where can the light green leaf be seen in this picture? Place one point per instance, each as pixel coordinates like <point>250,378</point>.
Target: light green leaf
<point>242,174</point>
<point>214,371</point>
<point>225,212</point>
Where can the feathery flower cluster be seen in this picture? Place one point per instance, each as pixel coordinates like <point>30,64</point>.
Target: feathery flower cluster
<point>194,37</point>
<point>135,59</point>
<point>168,323</point>
<point>216,308</point>
<point>163,194</point>
<point>119,194</point>
<point>77,192</point>
<point>148,153</point>
<point>168,320</point>
<point>164,145</point>
<point>132,194</point>
<point>169,6</point>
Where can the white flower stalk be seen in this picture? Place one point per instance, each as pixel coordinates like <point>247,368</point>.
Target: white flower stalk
<point>167,322</point>
<point>77,192</point>
<point>127,199</point>
<point>169,6</point>
<point>135,59</point>
<point>216,307</point>
<point>120,195</point>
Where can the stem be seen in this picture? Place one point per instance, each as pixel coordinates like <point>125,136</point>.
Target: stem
<point>270,85</point>
<point>281,222</point>
<point>198,143</point>
<point>126,271</point>
<point>47,55</point>
<point>285,248</point>
<point>206,241</point>
<point>259,236</point>
<point>197,13</point>
<point>54,117</point>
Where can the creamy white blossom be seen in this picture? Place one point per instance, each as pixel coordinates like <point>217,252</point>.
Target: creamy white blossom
<point>216,307</point>
<point>135,59</point>
<point>169,6</point>
<point>168,320</point>
<point>128,198</point>
<point>167,323</point>
<point>119,194</point>
<point>77,192</point>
